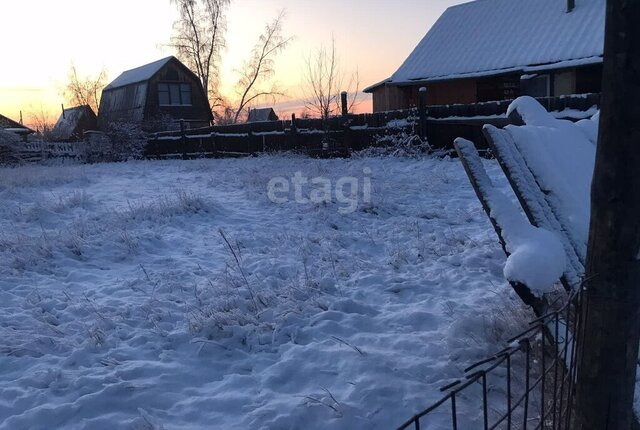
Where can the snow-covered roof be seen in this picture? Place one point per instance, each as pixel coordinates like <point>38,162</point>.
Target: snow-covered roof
<point>71,120</point>
<point>7,123</point>
<point>262,114</point>
<point>486,37</point>
<point>139,74</point>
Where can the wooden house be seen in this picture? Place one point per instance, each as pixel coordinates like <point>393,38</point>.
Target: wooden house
<point>490,50</point>
<point>73,123</point>
<point>262,115</point>
<point>156,96</point>
<point>7,124</point>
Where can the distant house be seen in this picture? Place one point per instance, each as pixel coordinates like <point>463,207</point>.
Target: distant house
<point>156,96</point>
<point>262,115</point>
<point>74,122</point>
<point>499,49</point>
<point>7,124</point>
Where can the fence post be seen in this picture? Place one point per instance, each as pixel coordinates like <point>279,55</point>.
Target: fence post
<point>293,142</point>
<point>422,108</point>
<point>183,139</point>
<point>343,102</point>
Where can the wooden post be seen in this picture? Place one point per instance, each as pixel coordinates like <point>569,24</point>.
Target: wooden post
<point>62,105</point>
<point>183,139</point>
<point>291,143</point>
<point>422,112</point>
<point>608,346</point>
<point>343,102</point>
<point>214,145</point>
<point>21,123</point>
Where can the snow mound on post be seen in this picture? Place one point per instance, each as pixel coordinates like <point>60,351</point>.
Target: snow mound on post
<point>530,112</point>
<point>537,259</point>
<point>536,256</point>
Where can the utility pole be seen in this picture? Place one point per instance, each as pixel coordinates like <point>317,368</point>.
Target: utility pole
<point>608,348</point>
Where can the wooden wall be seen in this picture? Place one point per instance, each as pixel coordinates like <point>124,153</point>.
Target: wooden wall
<point>139,103</point>
<point>581,80</point>
<point>452,92</point>
<point>197,115</point>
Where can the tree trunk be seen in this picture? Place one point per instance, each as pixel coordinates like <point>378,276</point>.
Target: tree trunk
<point>608,350</point>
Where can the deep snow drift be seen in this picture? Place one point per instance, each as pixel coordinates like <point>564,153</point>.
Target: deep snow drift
<point>176,295</point>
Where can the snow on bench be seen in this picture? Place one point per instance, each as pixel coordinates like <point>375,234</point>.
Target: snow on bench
<point>535,256</point>
<point>549,164</point>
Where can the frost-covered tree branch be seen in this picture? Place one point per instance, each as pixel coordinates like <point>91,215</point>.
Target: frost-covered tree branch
<point>84,90</point>
<point>199,38</point>
<point>324,80</point>
<point>259,68</point>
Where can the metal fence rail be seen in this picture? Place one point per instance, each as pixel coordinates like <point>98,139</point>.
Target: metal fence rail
<point>528,385</point>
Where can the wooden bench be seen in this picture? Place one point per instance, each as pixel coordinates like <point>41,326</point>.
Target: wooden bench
<point>532,153</point>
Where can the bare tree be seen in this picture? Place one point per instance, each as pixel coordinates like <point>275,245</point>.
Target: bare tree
<point>608,346</point>
<point>40,120</point>
<point>199,38</point>
<point>84,90</point>
<point>258,69</point>
<point>325,80</point>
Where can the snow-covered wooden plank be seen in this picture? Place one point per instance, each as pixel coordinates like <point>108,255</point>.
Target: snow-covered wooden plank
<point>531,253</point>
<point>534,201</point>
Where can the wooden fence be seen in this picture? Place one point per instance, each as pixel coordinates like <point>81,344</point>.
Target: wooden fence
<point>338,136</point>
<point>38,151</point>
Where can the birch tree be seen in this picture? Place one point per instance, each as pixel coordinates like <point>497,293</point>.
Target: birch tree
<point>84,90</point>
<point>199,39</point>
<point>324,80</point>
<point>259,68</point>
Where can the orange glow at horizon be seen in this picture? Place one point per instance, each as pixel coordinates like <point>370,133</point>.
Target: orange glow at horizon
<point>372,36</point>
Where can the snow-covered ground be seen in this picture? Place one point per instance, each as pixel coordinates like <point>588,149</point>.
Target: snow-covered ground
<point>176,295</point>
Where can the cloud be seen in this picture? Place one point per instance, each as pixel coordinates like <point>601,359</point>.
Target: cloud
<point>21,89</point>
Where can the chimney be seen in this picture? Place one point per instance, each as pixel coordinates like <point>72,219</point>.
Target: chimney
<point>571,5</point>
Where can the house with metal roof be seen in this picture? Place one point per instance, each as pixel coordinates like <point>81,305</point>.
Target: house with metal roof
<point>489,50</point>
<point>156,96</point>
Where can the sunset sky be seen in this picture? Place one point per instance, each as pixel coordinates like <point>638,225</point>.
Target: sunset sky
<point>43,37</point>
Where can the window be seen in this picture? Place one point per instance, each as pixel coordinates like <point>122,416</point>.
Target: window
<point>536,85</point>
<point>174,94</point>
<point>185,94</point>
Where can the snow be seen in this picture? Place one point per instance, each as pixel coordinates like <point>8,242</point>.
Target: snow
<point>139,74</point>
<point>561,156</point>
<point>122,306</point>
<point>68,122</point>
<point>536,256</point>
<point>484,37</point>
<point>589,127</point>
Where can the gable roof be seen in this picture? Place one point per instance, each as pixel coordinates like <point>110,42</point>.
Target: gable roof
<point>74,121</point>
<point>7,123</point>
<point>487,37</point>
<point>139,74</point>
<point>262,114</point>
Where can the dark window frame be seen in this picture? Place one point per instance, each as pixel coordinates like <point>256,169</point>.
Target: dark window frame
<point>168,91</point>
